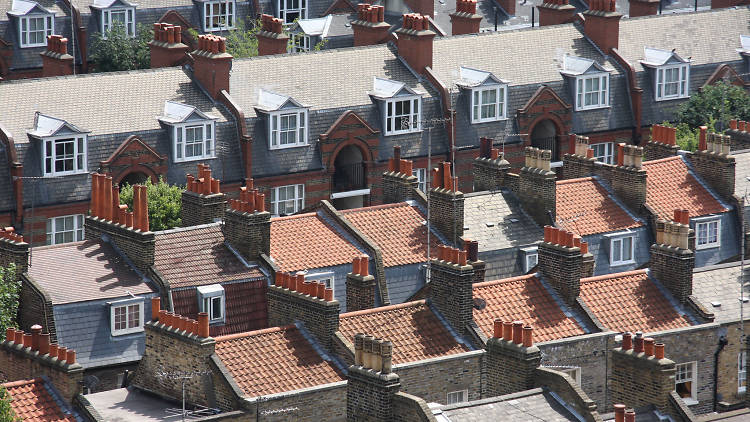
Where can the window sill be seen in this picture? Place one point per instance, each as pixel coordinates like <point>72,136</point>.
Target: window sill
<point>288,146</point>
<point>709,246</point>
<point>593,108</point>
<point>67,173</point>
<point>126,332</point>
<point>619,264</point>
<point>187,160</point>
<point>690,401</point>
<point>671,98</point>
<point>499,119</point>
<point>229,28</point>
<point>402,133</point>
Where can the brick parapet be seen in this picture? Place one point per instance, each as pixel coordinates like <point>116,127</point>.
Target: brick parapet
<point>511,367</point>
<point>489,174</point>
<point>628,183</point>
<point>370,394</point>
<point>321,317</point>
<point>360,292</point>
<point>641,380</point>
<point>137,245</point>
<point>14,252</point>
<point>654,150</point>
<point>577,166</point>
<point>248,232</point>
<point>200,209</point>
<point>718,170</point>
<point>398,187</point>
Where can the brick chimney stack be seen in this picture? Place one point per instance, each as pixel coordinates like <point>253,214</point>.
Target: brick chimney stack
<point>167,48</point>
<point>512,358</point>
<point>663,143</point>
<point>446,203</point>
<point>713,162</point>
<point>247,224</point>
<point>490,168</point>
<point>739,130</point>
<point>212,64</point>
<point>537,187</point>
<point>581,163</point>
<point>271,37</point>
<point>465,19</point>
<point>55,60</point>
<point>672,261</point>
<point>399,184</point>
<point>555,12</point>
<point>643,8</point>
<point>602,24</point>
<point>415,41</point>
<point>371,386</point>
<point>472,257</point>
<point>360,286</point>
<point>13,250</point>
<point>202,200</point>
<point>370,27</point>
<point>561,262</point>
<point>451,280</point>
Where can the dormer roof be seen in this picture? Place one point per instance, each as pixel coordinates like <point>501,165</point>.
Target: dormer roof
<point>106,4</point>
<point>385,88</point>
<point>654,57</point>
<point>745,43</point>
<point>316,26</point>
<point>24,7</point>
<point>45,126</point>
<point>470,78</point>
<point>576,66</point>
<point>175,112</point>
<point>271,101</point>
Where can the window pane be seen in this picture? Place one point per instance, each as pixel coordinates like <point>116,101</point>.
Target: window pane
<point>627,249</point>
<point>617,250</point>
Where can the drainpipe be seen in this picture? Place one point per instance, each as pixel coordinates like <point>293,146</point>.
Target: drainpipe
<point>722,342</point>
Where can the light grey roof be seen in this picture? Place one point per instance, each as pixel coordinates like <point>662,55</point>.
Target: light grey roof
<point>720,285</point>
<point>49,126</point>
<point>175,112</point>
<point>497,221</point>
<point>742,172</point>
<point>103,103</point>
<point>312,85</point>
<point>105,4</point>
<point>7,6</point>
<point>706,37</point>
<point>535,404</point>
<point>83,5</point>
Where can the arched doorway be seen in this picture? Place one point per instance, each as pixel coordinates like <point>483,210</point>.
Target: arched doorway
<point>134,178</point>
<point>544,136</point>
<point>349,175</point>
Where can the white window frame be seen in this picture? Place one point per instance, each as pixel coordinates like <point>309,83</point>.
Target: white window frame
<point>25,22</point>
<point>742,372</point>
<point>49,152</point>
<point>227,18</point>
<point>390,116</point>
<point>284,11</point>
<point>127,304</point>
<point>298,199</point>
<point>207,298</point>
<point>692,369</point>
<point>607,153</point>
<point>601,93</point>
<point>614,247</point>
<point>683,83</point>
<point>299,43</point>
<point>53,228</point>
<point>530,253</point>
<point>573,372</point>
<point>478,103</point>
<point>128,23</point>
<point>208,141</point>
<point>421,175</point>
<point>326,277</point>
<point>459,396</point>
<point>707,244</point>
<point>275,131</point>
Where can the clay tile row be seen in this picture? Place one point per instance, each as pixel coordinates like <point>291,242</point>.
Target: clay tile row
<point>713,142</point>
<point>582,145</point>
<point>602,5</point>
<point>179,323</point>
<point>36,341</point>
<point>639,344</point>
<point>674,233</point>
<point>664,134</point>
<point>629,155</point>
<point>250,200</point>
<point>564,238</point>
<point>204,184</point>
<point>452,255</point>
<point>513,331</point>
<point>297,283</point>
<point>9,233</point>
<point>466,6</point>
<point>739,125</point>
<point>486,150</point>
<point>557,2</point>
<point>105,203</point>
<point>442,179</point>
<point>168,33</point>
<point>361,266</point>
<point>538,158</point>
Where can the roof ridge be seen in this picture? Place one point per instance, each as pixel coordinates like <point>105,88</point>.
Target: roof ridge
<point>504,280</point>
<point>22,382</point>
<point>576,180</point>
<point>269,330</point>
<point>68,244</point>
<point>291,217</point>
<point>187,228</point>
<point>661,160</point>
<point>377,207</point>
<point>92,75</point>
<point>383,308</point>
<point>614,275</point>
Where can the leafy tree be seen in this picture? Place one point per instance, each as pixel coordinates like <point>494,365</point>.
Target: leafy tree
<point>7,414</point>
<point>164,204</point>
<point>120,52</point>
<point>9,291</point>
<point>715,103</point>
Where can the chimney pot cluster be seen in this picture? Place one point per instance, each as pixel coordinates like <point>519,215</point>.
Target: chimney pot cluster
<point>415,22</point>
<point>213,44</point>
<point>514,331</point>
<point>10,234</point>
<point>564,238</point>
<point>441,178</point>
<point>297,283</point>
<point>486,150</point>
<point>622,415</point>
<point>204,184</point>
<point>466,6</point>
<point>361,266</point>
<point>472,250</point>
<point>373,353</point>
<point>370,13</point>
<point>581,145</point>
<point>271,24</point>
<point>450,255</point>
<point>36,341</point>
<point>250,200</point>
<point>674,233</point>
<point>398,164</point>
<point>105,203</point>
<point>168,33</point>
<point>602,5</point>
<point>57,44</point>
<point>739,125</point>
<point>664,134</point>
<point>639,344</point>
<point>182,324</point>
<point>713,142</point>
<point>538,158</point>
<point>629,155</point>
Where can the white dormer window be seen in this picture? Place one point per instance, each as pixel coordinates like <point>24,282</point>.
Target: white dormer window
<point>211,300</point>
<point>291,10</point>
<point>218,15</point>
<point>34,23</point>
<point>287,120</point>
<point>671,73</point>
<point>402,106</point>
<point>116,12</point>
<point>489,94</point>
<point>591,82</point>
<point>126,316</point>
<point>193,132</point>
<point>63,146</point>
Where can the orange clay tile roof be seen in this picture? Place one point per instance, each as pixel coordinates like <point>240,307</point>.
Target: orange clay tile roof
<point>397,229</point>
<point>274,360</point>
<point>585,207</point>
<point>306,241</point>
<point>415,331</point>
<point>32,402</point>
<point>671,186</point>
<point>524,299</point>
<point>630,301</point>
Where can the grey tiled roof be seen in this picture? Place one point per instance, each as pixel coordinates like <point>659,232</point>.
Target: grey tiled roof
<point>742,172</point>
<point>497,221</point>
<point>721,284</point>
<point>6,187</point>
<point>84,5</point>
<point>525,406</point>
<point>51,5</point>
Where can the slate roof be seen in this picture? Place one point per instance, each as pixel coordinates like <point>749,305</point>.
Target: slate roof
<point>718,288</point>
<point>497,221</point>
<point>274,360</point>
<point>534,404</point>
<point>196,256</point>
<point>95,269</point>
<point>672,185</point>
<point>32,401</point>
<point>307,241</point>
<point>585,207</point>
<point>741,173</point>
<point>412,327</point>
<point>51,5</point>
<point>83,5</point>
<point>524,299</point>
<point>397,229</point>
<point>631,301</point>
<point>707,36</point>
<point>115,102</point>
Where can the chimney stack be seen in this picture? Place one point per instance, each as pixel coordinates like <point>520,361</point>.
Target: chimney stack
<point>663,143</point>
<point>370,27</point>
<point>271,37</point>
<point>581,163</point>
<point>490,168</point>
<point>202,200</point>
<point>399,184</point>
<point>556,12</point>
<point>537,186</point>
<point>602,24</point>
<point>465,19</point>
<point>167,48</point>
<point>13,250</point>
<point>628,178</point>
<point>714,164</point>
<point>561,262</point>
<point>451,291</point>
<point>472,257</point>
<point>446,203</point>
<point>512,358</point>
<point>212,64</point>
<point>360,286</point>
<point>739,131</point>
<point>371,385</point>
<point>643,8</point>
<point>55,60</point>
<point>415,41</point>
<point>247,224</point>
<point>672,262</point>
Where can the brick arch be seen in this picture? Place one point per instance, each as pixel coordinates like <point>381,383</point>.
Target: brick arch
<point>361,146</point>
<point>725,71</point>
<point>135,156</point>
<point>150,173</point>
<point>349,129</point>
<point>546,104</point>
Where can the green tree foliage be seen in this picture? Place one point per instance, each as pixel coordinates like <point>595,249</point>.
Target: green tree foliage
<point>120,52</point>
<point>715,104</point>
<point>242,41</point>
<point>7,414</point>
<point>164,203</point>
<point>9,291</point>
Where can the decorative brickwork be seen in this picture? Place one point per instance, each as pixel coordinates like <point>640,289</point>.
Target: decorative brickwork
<point>465,19</point>
<point>663,143</point>
<point>512,359</point>
<point>202,201</point>
<point>536,186</point>
<point>13,250</point>
<point>451,279</point>
<point>602,24</point>
<point>34,303</point>
<point>134,155</point>
<point>739,132</point>
<point>371,385</point>
<point>135,244</point>
<point>55,60</point>
<point>561,262</point>
<point>399,184</point>
<point>713,163</point>
<point>490,168</point>
<point>446,203</point>
<point>247,224</point>
<point>360,286</point>
<point>672,261</point>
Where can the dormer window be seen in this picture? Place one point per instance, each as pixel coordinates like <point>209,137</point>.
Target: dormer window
<point>591,82</point>
<point>218,15</point>
<point>489,95</point>
<point>211,300</point>
<point>671,73</point>
<point>401,106</point>
<point>63,146</point>
<point>287,120</point>
<point>115,12</point>
<point>192,132</point>
<point>34,23</point>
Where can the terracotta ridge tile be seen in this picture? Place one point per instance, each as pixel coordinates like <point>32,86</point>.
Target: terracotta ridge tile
<point>615,275</point>
<point>67,244</point>
<point>254,333</point>
<point>376,207</point>
<point>383,308</point>
<point>578,180</point>
<point>662,160</point>
<point>292,217</point>
<point>504,280</point>
<point>21,382</point>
